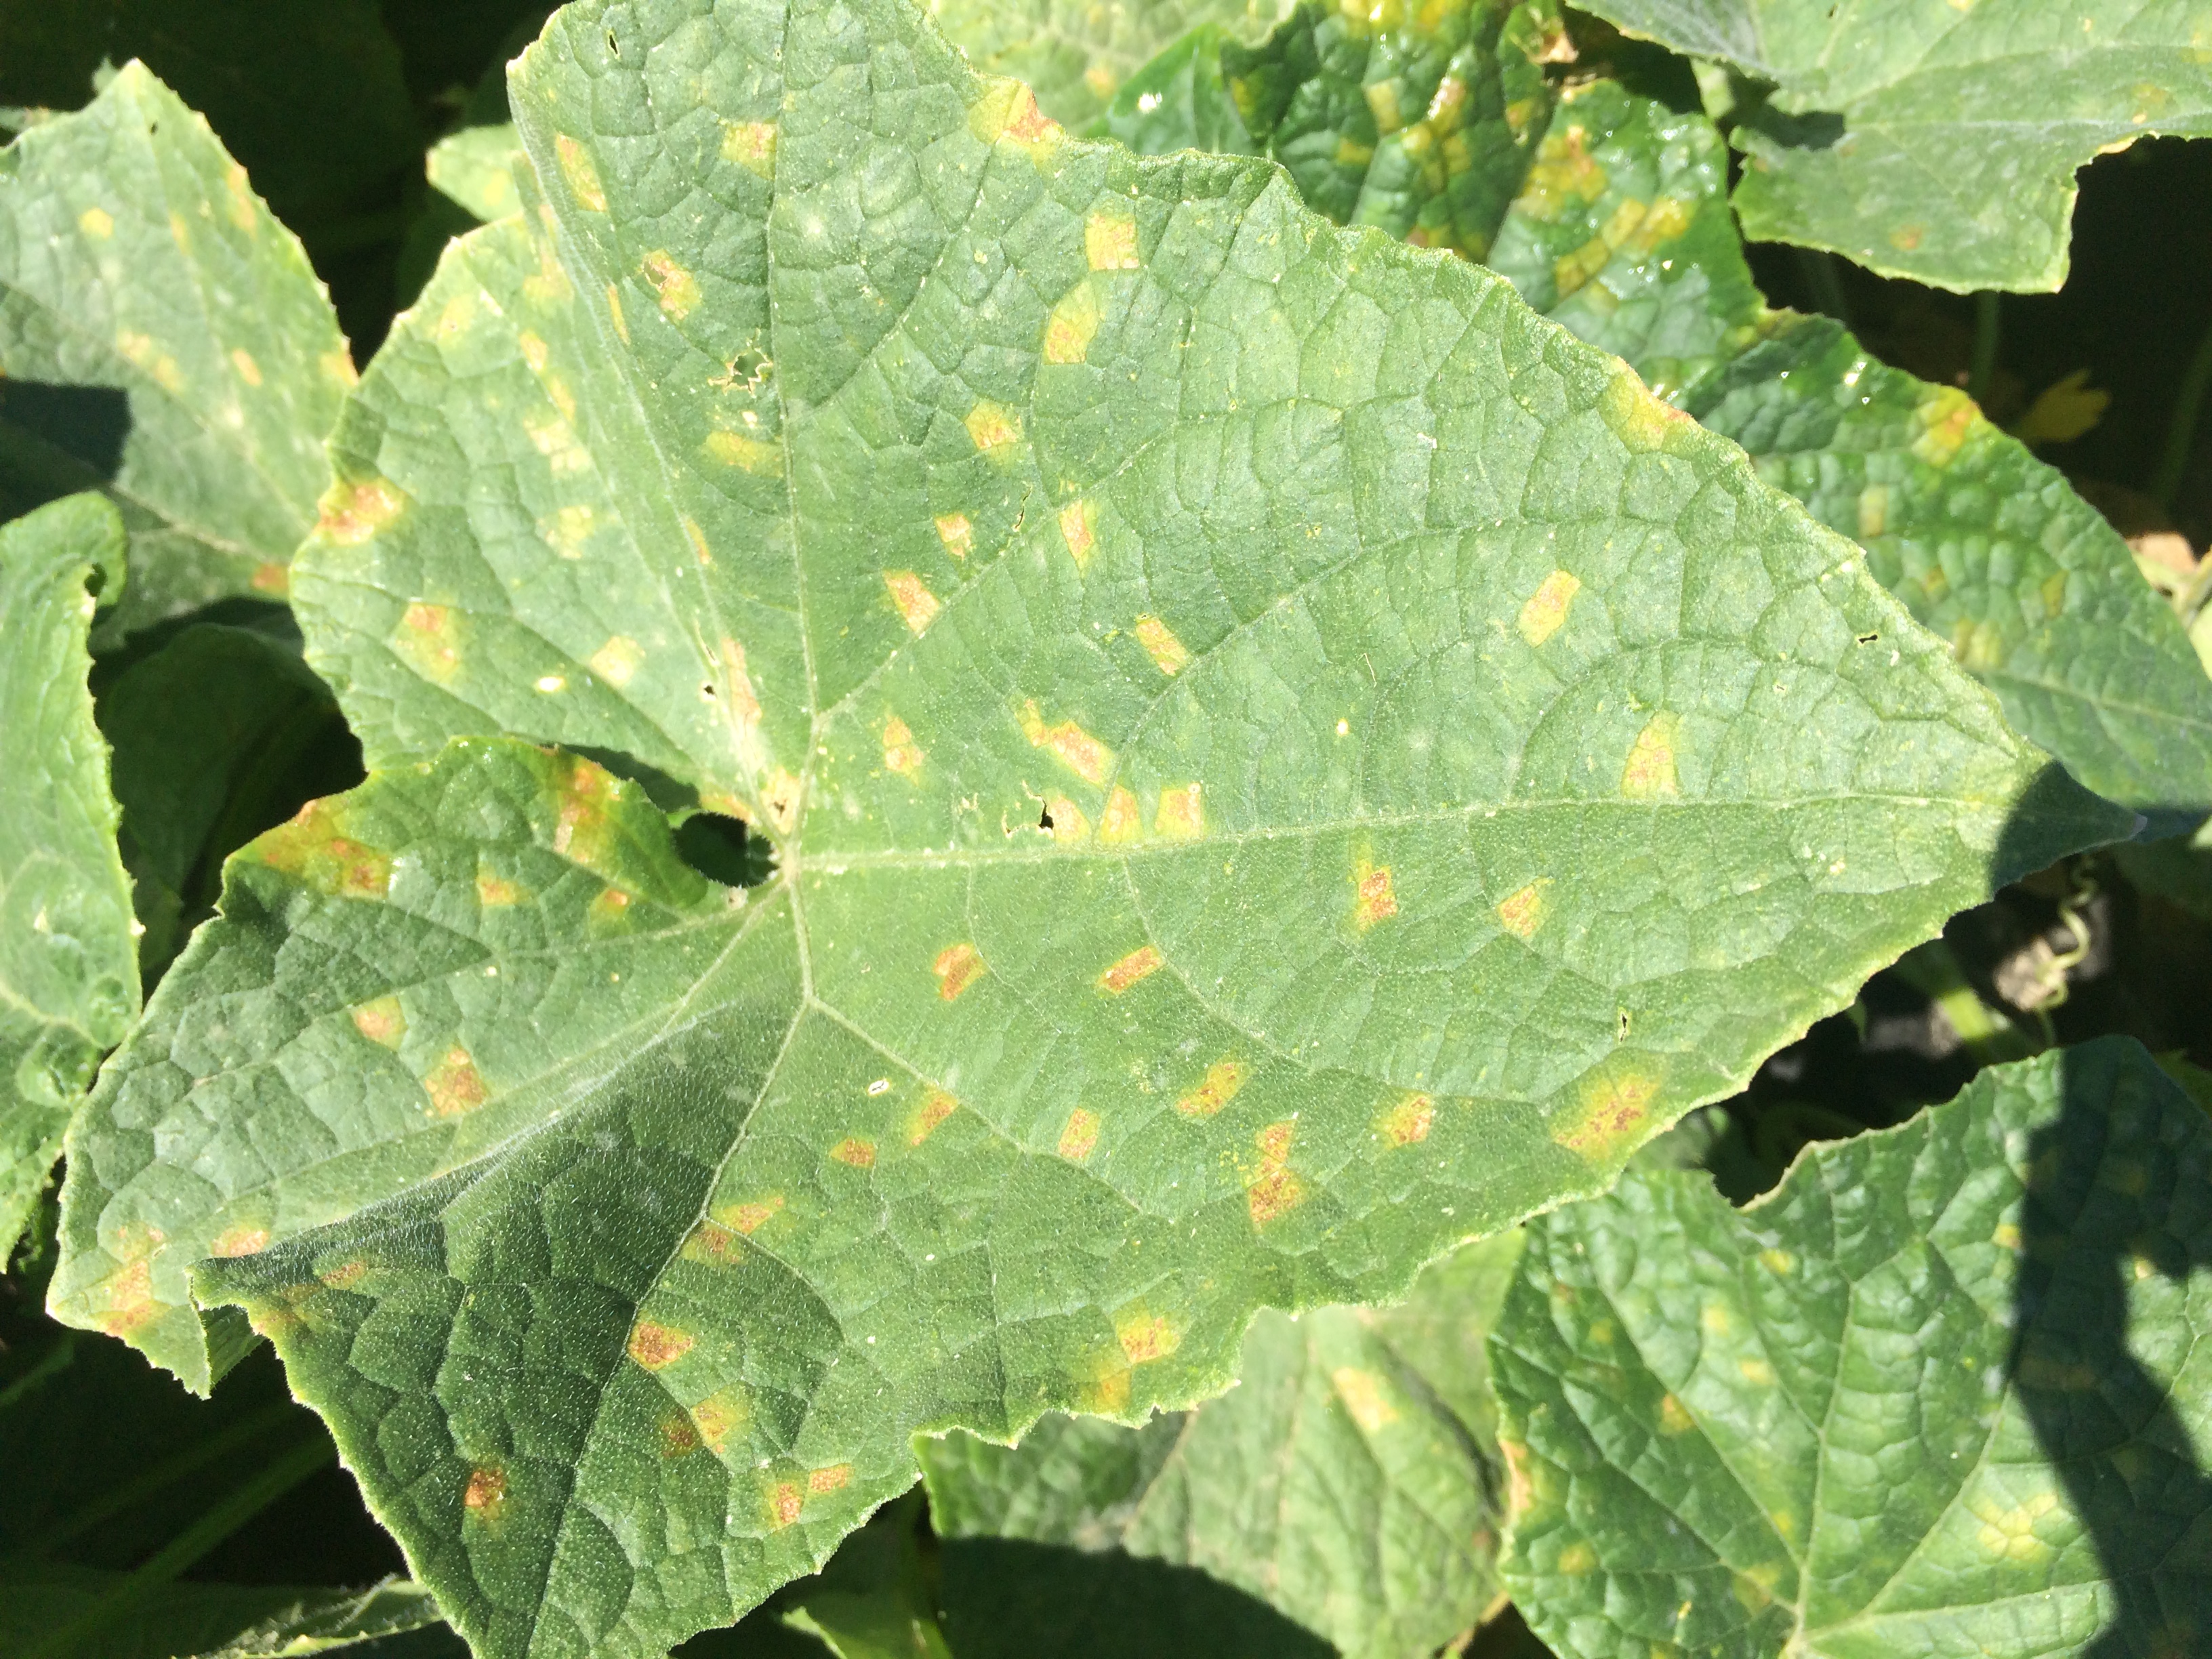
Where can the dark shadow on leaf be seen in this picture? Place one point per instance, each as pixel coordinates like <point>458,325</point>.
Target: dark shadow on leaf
<point>1752,111</point>
<point>1010,1599</point>
<point>2047,822</point>
<point>2119,1206</point>
<point>57,440</point>
<point>722,850</point>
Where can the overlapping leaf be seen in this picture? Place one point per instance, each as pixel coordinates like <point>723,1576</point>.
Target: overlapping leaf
<point>1938,143</point>
<point>162,339</point>
<point>1349,1480</point>
<point>68,980</point>
<point>1619,229</point>
<point>1939,1393</point>
<point>1280,760</point>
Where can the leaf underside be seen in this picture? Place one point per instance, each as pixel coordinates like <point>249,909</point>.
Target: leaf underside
<point>1941,144</point>
<point>1936,1394</point>
<point>69,978</point>
<point>1457,765</point>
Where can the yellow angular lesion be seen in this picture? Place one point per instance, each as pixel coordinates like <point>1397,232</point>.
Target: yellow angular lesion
<point>582,173</point>
<point>618,661</point>
<point>1873,510</point>
<point>484,1496</point>
<point>1078,526</point>
<point>242,363</point>
<point>1078,1136</point>
<point>456,1088</point>
<point>382,1021</point>
<point>1648,772</point>
<point>751,145</point>
<point>1564,172</point>
<point>655,1346</point>
<point>1946,419</point>
<point>567,529</point>
<point>1110,240</point>
<point>1374,897</point>
<point>1007,112</point>
<point>1522,913</point>
<point>429,638</point>
<point>1613,1112</point>
<point>749,1218</point>
<point>917,607</point>
<point>313,848</point>
<point>1641,421</point>
<point>1366,1397</point>
<point>97,223</point>
<point>1673,1417</point>
<point>2010,1533</point>
<point>1169,654</point>
<point>1274,1189</point>
<point>1073,324</point>
<point>1181,815</point>
<point>1069,825</point>
<point>957,967</point>
<point>902,754</point>
<point>936,1107</point>
<point>238,195</point>
<point>855,1152</point>
<point>1123,820</point>
<point>1545,613</point>
<point>1138,965</point>
<point>1145,1335</point>
<point>1069,743</point>
<point>762,457</point>
<point>1408,1122</point>
<point>551,436</point>
<point>994,429</point>
<point>677,288</point>
<point>1215,1090</point>
<point>957,533</point>
<point>720,1415</point>
<point>610,910</point>
<point>142,352</point>
<point>242,1240</point>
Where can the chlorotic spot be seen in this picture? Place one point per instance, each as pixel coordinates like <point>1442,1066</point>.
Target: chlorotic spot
<point>2007,1237</point>
<point>720,1415</point>
<point>1073,326</point>
<point>1673,1417</point>
<point>1778,1261</point>
<point>1078,1135</point>
<point>456,1088</point>
<point>917,607</point>
<point>656,1345</point>
<point>1366,1397</point>
<point>345,1275</point>
<point>97,223</point>
<point>1408,1122</point>
<point>240,194</point>
<point>272,579</point>
<point>1639,420</point>
<point>1078,529</point>
<point>533,349</point>
<point>242,361</point>
<point>567,530</point>
<point>1139,965</point>
<point>1649,774</point>
<point>1757,1372</point>
<point>485,1495</point>
<point>678,1435</point>
<point>749,1218</point>
<point>459,314</point>
<point>902,754</point>
<point>677,287</point>
<point>1873,510</point>
<point>712,1244</point>
<point>582,173</point>
<point>610,909</point>
<point>957,534</point>
<point>1182,814</point>
<point>1373,897</point>
<point>429,639</point>
<point>762,457</point>
<point>2009,1534</point>
<point>1274,1189</point>
<point>1577,1559</point>
<point>1945,420</point>
<point>1521,914</point>
<point>1216,1089</point>
<point>1169,654</point>
<point>1145,1335</point>
<point>751,144</point>
<point>614,315</point>
<point>956,968</point>
<point>312,848</point>
<point>128,1293</point>
<point>1110,240</point>
<point>1906,238</point>
<point>936,1106</point>
<point>240,1241</point>
<point>1121,821</point>
<point>1069,743</point>
<point>1546,609</point>
<point>856,1150</point>
<point>353,511</point>
<point>617,661</point>
<point>993,428</point>
<point>382,1021</point>
<point>1007,114</point>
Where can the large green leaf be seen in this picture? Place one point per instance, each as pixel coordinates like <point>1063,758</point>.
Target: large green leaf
<point>1457,764</point>
<point>1938,141</point>
<point>1620,230</point>
<point>162,339</point>
<point>1937,1394</point>
<point>69,985</point>
<point>1349,1478</point>
<point>1075,54</point>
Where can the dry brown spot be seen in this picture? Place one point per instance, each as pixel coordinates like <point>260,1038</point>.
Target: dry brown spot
<point>456,1088</point>
<point>1408,1122</point>
<point>1074,747</point>
<point>679,1435</point>
<point>956,968</point>
<point>350,512</point>
<point>494,891</point>
<point>611,906</point>
<point>785,1501</point>
<point>1078,524</point>
<point>1222,1081</point>
<point>1373,897</point>
<point>1145,1335</point>
<point>935,1107</point>
<point>856,1150</point>
<point>750,1217</point>
<point>1613,1110</point>
<point>1274,1189</point>
<point>486,1493</point>
<point>713,1245</point>
<point>1546,609</point>
<point>1139,964</point>
<point>1080,1136</point>
<point>917,607</point>
<point>383,1022</point>
<point>1121,821</point>
<point>654,1345</point>
<point>1523,913</point>
<point>677,287</point>
<point>835,1477</point>
<point>1181,815</point>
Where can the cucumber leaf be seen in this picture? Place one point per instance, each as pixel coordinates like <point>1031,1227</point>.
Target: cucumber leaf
<point>1937,1393</point>
<point>1351,1479</point>
<point>1941,142</point>
<point>188,1621</point>
<point>1619,229</point>
<point>69,985</point>
<point>162,340</point>
<point>1280,760</point>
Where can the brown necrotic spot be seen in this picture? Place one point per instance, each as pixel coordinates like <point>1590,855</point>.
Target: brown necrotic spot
<point>654,1345</point>
<point>956,968</point>
<point>1408,1122</point>
<point>1274,1189</point>
<point>1139,965</point>
<point>485,1495</point>
<point>1222,1081</point>
<point>935,1107</point>
<point>382,1021</point>
<point>456,1088</point>
<point>1373,897</point>
<point>1078,1136</point>
<point>856,1151</point>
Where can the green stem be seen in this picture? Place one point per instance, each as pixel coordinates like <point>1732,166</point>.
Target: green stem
<point>1989,1035</point>
<point>1987,333</point>
<point>2181,427</point>
<point>1824,277</point>
<point>180,1552</point>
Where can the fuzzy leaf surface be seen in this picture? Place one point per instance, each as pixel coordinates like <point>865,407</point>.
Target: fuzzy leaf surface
<point>1937,1393</point>
<point>1938,143</point>
<point>1349,1479</point>
<point>1457,765</point>
<point>162,340</point>
<point>69,978</point>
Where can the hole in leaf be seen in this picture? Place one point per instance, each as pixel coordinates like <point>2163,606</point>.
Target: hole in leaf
<point>723,850</point>
<point>1867,638</point>
<point>1044,819</point>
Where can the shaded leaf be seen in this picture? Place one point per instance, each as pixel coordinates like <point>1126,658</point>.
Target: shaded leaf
<point>475,168</point>
<point>69,988</point>
<point>1936,1394</point>
<point>1349,1479</point>
<point>163,340</point>
<point>1457,764</point>
<point>187,1620</point>
<point>1941,142</point>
